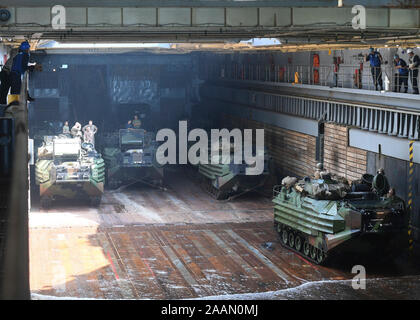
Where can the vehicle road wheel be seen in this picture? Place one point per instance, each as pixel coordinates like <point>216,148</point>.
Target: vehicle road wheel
<point>313,252</point>
<point>284,236</point>
<point>291,239</point>
<point>298,243</point>
<point>279,228</point>
<point>319,256</point>
<point>306,248</point>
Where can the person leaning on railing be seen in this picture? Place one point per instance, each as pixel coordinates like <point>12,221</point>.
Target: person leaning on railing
<point>402,76</point>
<point>12,74</point>
<point>375,59</point>
<point>413,64</point>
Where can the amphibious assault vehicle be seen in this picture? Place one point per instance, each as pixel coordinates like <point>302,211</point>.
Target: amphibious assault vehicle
<point>317,217</point>
<point>70,169</point>
<point>130,156</point>
<point>224,179</point>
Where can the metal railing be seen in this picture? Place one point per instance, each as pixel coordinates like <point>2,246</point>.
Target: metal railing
<point>343,76</point>
<point>381,119</point>
<point>14,279</point>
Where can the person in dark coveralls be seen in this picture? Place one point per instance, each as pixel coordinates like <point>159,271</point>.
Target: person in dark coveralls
<point>5,79</point>
<point>380,183</point>
<point>375,59</point>
<point>402,76</point>
<point>413,65</point>
<point>12,72</point>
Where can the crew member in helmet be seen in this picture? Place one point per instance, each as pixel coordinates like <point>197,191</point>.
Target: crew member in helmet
<point>136,122</point>
<point>413,66</point>
<point>380,183</point>
<point>76,131</point>
<point>5,80</point>
<point>320,172</point>
<point>401,77</point>
<point>66,128</point>
<point>12,74</point>
<point>89,132</point>
<point>375,59</point>
<point>319,168</point>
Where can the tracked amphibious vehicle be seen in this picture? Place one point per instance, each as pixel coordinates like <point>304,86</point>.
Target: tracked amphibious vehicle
<point>224,179</point>
<point>68,168</point>
<point>130,156</point>
<point>317,217</point>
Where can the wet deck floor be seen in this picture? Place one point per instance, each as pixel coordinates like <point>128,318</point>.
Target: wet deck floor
<point>143,243</point>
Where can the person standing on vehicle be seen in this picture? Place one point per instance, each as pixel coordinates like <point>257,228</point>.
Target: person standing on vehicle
<point>66,128</point>
<point>413,65</point>
<point>76,131</point>
<point>89,132</point>
<point>375,59</point>
<point>136,122</point>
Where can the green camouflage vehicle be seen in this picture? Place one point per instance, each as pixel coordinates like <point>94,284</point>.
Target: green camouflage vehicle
<point>317,217</point>
<point>68,168</point>
<point>130,156</point>
<point>227,180</point>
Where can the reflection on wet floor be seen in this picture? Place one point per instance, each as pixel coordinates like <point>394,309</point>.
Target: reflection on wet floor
<point>183,202</point>
<point>143,243</point>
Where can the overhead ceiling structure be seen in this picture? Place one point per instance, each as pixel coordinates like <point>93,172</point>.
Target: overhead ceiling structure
<point>295,23</point>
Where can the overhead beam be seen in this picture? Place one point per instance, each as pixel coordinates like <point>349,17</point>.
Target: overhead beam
<point>40,17</point>
<point>209,22</point>
<point>209,3</point>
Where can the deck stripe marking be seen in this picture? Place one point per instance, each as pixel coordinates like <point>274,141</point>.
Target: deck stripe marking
<point>124,269</point>
<point>206,253</point>
<point>147,265</point>
<point>259,255</point>
<point>181,268</point>
<point>112,265</point>
<point>232,254</point>
<point>123,283</point>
